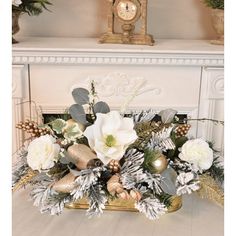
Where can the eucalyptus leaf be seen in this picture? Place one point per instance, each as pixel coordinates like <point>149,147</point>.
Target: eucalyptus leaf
<point>168,182</point>
<point>81,96</point>
<point>167,115</point>
<point>78,114</point>
<point>101,107</point>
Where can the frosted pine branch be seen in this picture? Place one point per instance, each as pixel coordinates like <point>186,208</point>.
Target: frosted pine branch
<point>97,199</point>
<point>86,178</point>
<point>161,140</point>
<point>151,207</point>
<point>143,116</point>
<point>186,183</point>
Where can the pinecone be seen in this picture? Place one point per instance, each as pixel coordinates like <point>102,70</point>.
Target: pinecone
<point>182,130</point>
<point>32,128</point>
<point>114,166</point>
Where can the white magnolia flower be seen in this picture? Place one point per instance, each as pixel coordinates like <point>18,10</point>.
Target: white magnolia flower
<point>110,136</point>
<point>16,2</point>
<point>198,153</point>
<point>43,152</point>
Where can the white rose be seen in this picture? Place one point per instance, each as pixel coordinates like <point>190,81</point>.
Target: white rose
<point>43,152</point>
<point>110,136</point>
<point>198,153</point>
<point>16,2</point>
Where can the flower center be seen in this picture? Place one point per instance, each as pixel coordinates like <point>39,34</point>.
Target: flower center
<point>110,140</point>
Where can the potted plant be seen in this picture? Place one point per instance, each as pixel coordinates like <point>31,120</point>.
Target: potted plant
<point>217,15</point>
<point>31,7</point>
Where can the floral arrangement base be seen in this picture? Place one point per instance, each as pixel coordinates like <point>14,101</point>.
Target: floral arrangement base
<point>124,205</point>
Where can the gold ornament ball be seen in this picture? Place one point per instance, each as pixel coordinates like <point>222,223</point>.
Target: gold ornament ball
<point>160,164</point>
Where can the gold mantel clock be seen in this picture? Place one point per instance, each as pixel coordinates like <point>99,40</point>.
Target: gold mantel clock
<point>127,13</point>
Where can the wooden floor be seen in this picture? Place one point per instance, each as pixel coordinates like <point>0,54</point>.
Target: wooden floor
<point>196,217</point>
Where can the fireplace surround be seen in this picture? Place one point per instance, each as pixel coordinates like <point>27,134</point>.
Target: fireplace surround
<point>187,75</point>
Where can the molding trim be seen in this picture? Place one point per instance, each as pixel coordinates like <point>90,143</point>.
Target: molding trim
<point>57,109</point>
<point>73,58</point>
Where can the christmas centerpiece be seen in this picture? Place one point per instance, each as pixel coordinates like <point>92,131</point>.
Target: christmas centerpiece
<point>101,159</point>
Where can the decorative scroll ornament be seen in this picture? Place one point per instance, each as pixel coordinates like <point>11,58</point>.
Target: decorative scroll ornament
<point>118,84</point>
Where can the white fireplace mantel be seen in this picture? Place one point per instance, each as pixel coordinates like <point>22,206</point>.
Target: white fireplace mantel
<point>88,51</point>
<point>187,75</point>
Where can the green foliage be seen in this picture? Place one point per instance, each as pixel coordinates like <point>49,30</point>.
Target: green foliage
<point>179,142</point>
<point>78,114</point>
<point>81,96</point>
<point>165,198</point>
<point>144,131</point>
<point>101,107</point>
<point>217,171</point>
<point>32,7</point>
<point>215,4</point>
<point>58,125</point>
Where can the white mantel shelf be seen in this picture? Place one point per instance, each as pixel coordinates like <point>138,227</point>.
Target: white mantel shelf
<point>33,50</point>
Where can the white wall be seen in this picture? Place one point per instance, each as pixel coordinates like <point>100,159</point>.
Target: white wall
<point>188,19</point>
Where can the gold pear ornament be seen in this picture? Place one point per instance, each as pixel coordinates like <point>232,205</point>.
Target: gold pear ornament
<point>65,184</point>
<point>82,156</point>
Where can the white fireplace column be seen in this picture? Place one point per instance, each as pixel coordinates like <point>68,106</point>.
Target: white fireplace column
<point>20,104</point>
<point>211,106</point>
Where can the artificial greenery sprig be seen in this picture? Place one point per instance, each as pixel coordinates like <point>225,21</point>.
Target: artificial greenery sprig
<point>215,4</point>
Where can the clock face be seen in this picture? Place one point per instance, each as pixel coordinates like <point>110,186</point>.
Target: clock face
<point>126,10</point>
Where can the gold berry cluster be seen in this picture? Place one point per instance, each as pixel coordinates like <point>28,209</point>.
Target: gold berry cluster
<point>32,128</point>
<point>114,166</point>
<point>182,130</point>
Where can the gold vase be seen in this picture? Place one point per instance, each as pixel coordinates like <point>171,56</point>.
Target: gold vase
<point>124,205</point>
<point>217,16</point>
<point>15,24</point>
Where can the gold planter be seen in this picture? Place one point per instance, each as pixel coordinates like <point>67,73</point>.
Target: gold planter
<point>217,17</point>
<point>124,205</point>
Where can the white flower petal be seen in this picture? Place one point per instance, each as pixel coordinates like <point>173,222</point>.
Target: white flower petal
<point>198,153</point>
<point>89,134</point>
<point>112,123</point>
<point>127,124</point>
<point>43,152</point>
<point>126,137</point>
